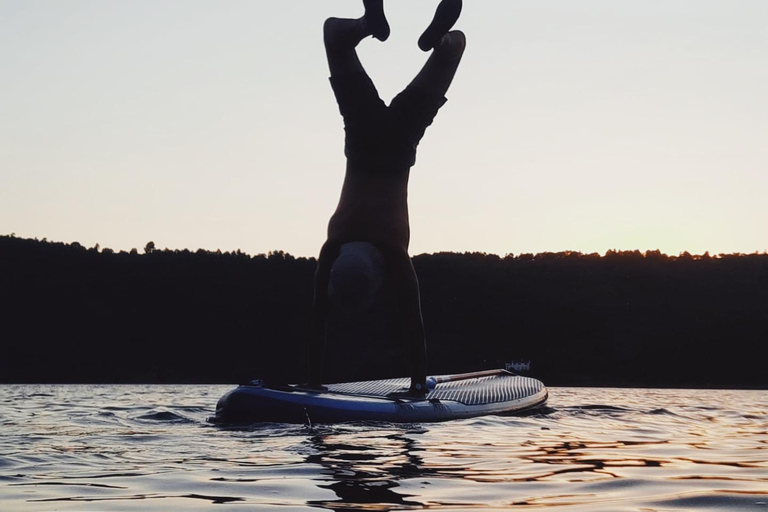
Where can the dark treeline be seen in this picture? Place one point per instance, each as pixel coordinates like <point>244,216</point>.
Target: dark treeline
<point>73,314</point>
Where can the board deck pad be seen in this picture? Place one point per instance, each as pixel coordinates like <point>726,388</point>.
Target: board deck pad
<point>477,391</point>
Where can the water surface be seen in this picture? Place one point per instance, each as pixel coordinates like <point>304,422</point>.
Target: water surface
<point>125,448</point>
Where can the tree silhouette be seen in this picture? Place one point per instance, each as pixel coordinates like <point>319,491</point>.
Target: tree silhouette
<point>626,318</point>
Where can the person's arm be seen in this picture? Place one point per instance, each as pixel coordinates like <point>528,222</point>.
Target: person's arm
<point>320,304</point>
<point>406,286</point>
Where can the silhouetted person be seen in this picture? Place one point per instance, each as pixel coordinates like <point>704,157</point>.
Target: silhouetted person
<point>380,147</point>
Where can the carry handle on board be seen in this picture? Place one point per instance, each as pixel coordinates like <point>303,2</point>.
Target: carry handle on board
<point>433,381</point>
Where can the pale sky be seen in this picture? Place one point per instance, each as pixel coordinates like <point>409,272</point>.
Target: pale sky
<point>581,125</point>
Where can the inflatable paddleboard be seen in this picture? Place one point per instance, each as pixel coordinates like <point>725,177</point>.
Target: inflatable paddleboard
<point>450,397</point>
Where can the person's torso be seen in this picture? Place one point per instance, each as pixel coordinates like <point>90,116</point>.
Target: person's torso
<point>373,207</point>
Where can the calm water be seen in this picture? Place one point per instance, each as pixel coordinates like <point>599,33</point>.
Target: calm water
<point>150,448</point>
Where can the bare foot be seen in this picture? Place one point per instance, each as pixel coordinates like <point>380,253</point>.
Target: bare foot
<point>445,17</point>
<point>375,20</point>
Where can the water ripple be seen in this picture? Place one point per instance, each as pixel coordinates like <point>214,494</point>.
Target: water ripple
<point>151,448</point>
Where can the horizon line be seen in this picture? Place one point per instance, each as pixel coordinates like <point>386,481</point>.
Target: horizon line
<point>286,255</point>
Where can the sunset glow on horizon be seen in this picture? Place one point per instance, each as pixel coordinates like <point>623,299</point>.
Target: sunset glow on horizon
<point>584,126</point>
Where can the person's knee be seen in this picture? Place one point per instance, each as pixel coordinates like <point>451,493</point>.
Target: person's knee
<point>341,33</point>
<point>452,45</point>
<point>332,28</point>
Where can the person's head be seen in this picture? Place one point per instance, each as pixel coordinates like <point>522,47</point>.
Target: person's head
<point>357,276</point>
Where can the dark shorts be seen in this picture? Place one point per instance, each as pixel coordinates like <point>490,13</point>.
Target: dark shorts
<point>377,134</point>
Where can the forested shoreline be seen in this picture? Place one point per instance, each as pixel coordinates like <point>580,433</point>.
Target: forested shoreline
<point>77,314</point>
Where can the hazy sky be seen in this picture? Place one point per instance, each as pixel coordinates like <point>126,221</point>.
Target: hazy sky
<point>571,125</point>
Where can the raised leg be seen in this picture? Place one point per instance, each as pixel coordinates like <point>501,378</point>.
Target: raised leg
<point>341,37</point>
<point>417,105</point>
<point>438,72</point>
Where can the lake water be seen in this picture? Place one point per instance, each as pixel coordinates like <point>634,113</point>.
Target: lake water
<point>108,447</point>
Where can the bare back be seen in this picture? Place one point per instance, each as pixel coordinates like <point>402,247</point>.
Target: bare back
<point>373,208</point>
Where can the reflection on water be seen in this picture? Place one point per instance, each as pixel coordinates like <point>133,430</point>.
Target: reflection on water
<point>150,448</point>
<point>368,471</point>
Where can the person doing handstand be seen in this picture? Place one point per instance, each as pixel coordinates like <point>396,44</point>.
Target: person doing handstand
<point>380,146</point>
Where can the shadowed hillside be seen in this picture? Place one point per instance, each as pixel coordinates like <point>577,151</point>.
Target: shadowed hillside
<point>72,314</point>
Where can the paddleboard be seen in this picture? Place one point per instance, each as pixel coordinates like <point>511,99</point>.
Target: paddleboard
<point>450,397</point>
